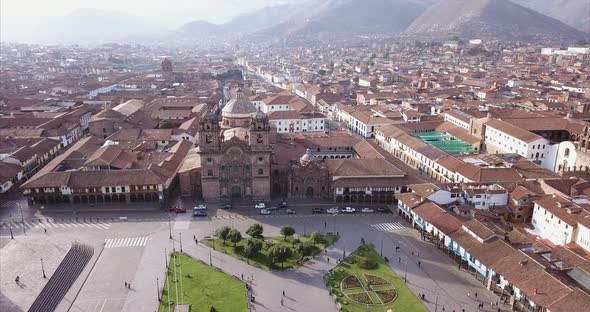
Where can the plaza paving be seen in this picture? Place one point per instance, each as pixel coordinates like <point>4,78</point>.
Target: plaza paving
<point>136,254</point>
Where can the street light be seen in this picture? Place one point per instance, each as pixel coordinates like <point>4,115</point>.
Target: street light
<point>158,289</point>
<point>406,273</point>
<point>43,268</point>
<point>11,235</point>
<point>166,257</point>
<point>169,226</point>
<point>180,234</point>
<point>381,247</point>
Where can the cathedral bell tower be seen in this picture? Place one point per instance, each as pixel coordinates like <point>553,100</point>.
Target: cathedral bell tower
<point>259,132</point>
<point>209,133</point>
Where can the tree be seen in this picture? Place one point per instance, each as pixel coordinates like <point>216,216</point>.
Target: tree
<point>287,231</point>
<point>252,247</point>
<point>280,253</point>
<point>223,233</point>
<point>234,236</point>
<point>166,124</point>
<point>255,230</point>
<point>316,237</point>
<point>305,249</point>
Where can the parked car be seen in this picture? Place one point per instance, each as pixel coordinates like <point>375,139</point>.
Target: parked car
<point>226,206</point>
<point>176,209</point>
<point>260,206</point>
<point>200,207</point>
<point>348,210</point>
<point>290,211</point>
<point>367,210</point>
<point>283,204</point>
<point>265,212</point>
<point>383,210</point>
<point>199,213</point>
<point>332,210</point>
<point>317,210</point>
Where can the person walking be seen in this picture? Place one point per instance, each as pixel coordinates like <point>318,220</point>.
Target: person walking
<point>125,284</point>
<point>45,230</point>
<point>419,263</point>
<point>468,295</point>
<point>475,295</point>
<point>281,301</point>
<point>17,279</point>
<point>283,292</point>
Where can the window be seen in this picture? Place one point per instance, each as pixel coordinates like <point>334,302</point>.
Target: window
<point>260,171</point>
<point>209,159</point>
<point>209,173</point>
<point>113,189</point>
<point>260,159</point>
<point>104,129</point>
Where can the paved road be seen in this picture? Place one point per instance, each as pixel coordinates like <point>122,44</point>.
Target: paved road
<point>134,251</point>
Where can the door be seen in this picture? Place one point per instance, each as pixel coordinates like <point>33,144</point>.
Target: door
<point>236,191</point>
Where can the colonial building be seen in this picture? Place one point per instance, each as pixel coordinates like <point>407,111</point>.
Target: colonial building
<point>235,154</point>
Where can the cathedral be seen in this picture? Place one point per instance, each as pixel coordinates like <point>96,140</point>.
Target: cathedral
<point>235,152</point>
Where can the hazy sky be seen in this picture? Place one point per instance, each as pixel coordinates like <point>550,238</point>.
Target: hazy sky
<point>23,15</point>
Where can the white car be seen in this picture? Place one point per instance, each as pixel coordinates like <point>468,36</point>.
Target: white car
<point>260,206</point>
<point>348,210</point>
<point>332,210</point>
<point>265,212</point>
<point>200,207</point>
<point>367,210</point>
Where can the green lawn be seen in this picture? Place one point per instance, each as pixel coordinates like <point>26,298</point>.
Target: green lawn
<point>261,259</point>
<point>375,284</point>
<point>204,286</point>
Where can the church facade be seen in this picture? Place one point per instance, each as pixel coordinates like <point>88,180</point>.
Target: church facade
<point>235,152</point>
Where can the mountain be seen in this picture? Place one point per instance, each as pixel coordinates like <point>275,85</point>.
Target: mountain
<point>200,30</point>
<point>93,26</point>
<point>497,19</point>
<point>575,13</point>
<point>263,18</point>
<point>346,18</point>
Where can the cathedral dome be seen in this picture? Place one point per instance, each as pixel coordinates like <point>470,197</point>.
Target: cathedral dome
<point>239,107</point>
<point>306,158</point>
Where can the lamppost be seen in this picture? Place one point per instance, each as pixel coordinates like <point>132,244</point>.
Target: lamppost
<point>210,259</point>
<point>169,226</point>
<point>406,273</point>
<point>381,247</point>
<point>158,289</point>
<point>180,234</point>
<point>22,218</point>
<point>11,235</point>
<point>166,257</point>
<point>43,268</point>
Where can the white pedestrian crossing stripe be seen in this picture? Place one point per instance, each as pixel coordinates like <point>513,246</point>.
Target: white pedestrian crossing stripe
<point>53,224</point>
<point>388,227</point>
<point>126,242</point>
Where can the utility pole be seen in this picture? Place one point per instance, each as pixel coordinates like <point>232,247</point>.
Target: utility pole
<point>43,268</point>
<point>381,247</point>
<point>11,235</point>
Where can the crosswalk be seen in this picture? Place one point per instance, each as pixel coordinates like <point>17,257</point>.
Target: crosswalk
<point>388,227</point>
<point>126,242</point>
<point>52,224</point>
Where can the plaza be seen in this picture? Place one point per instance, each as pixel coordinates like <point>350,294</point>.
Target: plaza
<point>133,247</point>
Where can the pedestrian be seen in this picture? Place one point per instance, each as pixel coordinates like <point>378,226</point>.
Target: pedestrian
<point>399,260</point>
<point>283,292</point>
<point>328,260</point>
<point>325,224</point>
<point>242,276</point>
<point>419,263</point>
<point>475,295</point>
<point>281,301</point>
<point>129,285</point>
<point>125,284</point>
<point>17,279</point>
<point>396,249</point>
<point>45,231</point>
<point>195,237</point>
<point>468,295</point>
<point>443,308</point>
<point>459,267</point>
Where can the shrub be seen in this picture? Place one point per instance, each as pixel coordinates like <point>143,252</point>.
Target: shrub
<point>367,264</point>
